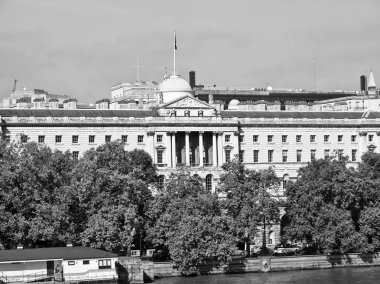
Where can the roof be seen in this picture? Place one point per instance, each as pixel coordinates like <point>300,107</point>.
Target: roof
<point>75,113</point>
<point>291,114</point>
<point>65,253</point>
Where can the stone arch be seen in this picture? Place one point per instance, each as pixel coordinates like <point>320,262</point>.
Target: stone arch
<point>271,238</point>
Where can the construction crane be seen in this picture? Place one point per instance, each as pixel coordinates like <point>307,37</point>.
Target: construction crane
<point>14,86</point>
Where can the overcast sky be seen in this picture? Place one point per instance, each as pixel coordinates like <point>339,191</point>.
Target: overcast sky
<point>82,48</point>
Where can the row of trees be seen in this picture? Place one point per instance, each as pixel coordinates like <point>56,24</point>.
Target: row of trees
<point>104,200</point>
<point>332,206</point>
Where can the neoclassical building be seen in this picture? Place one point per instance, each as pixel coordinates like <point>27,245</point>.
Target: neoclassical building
<point>179,129</point>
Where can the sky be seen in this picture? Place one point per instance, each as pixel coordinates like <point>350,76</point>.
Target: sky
<point>82,48</point>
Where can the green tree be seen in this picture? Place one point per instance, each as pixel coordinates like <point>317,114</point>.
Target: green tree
<point>35,204</point>
<point>324,205</point>
<point>188,222</point>
<point>248,199</point>
<point>113,191</point>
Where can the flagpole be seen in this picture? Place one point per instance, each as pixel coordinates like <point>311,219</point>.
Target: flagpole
<point>174,48</point>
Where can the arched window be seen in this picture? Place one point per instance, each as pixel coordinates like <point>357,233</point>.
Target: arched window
<point>271,238</point>
<point>209,182</point>
<point>161,182</point>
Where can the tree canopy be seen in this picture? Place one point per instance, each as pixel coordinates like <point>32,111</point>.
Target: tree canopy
<point>332,206</point>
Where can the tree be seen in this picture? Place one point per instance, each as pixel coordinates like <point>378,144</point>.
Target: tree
<point>248,199</point>
<point>324,205</point>
<point>188,222</point>
<point>113,190</point>
<point>35,204</point>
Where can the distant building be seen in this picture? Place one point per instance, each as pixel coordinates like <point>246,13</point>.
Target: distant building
<point>34,98</point>
<point>137,91</point>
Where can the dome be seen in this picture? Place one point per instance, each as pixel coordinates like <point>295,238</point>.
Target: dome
<point>233,105</point>
<point>174,84</point>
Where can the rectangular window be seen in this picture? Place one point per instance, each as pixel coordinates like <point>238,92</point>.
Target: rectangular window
<point>270,138</point>
<point>255,138</point>
<point>124,138</point>
<point>284,156</point>
<point>298,138</point>
<point>107,139</point>
<point>24,138</point>
<point>326,138</point>
<point>75,155</point>
<point>58,138</point>
<point>160,157</point>
<point>284,138</point>
<point>340,153</point>
<point>91,139</point>
<point>353,155</point>
<point>312,154</point>
<point>340,138</point>
<point>312,138</point>
<point>227,138</point>
<point>327,153</point>
<point>159,138</point>
<point>75,139</point>
<point>140,138</point>
<point>255,156</point>
<point>241,156</point>
<point>270,156</point>
<point>228,156</point>
<point>353,138</point>
<point>41,138</point>
<point>370,138</point>
<point>71,263</point>
<point>86,262</point>
<point>104,264</point>
<point>299,155</point>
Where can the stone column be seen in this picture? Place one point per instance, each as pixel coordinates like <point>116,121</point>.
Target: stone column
<point>201,148</point>
<point>220,149</point>
<point>151,145</point>
<point>214,149</point>
<point>187,148</point>
<point>174,156</point>
<point>168,150</point>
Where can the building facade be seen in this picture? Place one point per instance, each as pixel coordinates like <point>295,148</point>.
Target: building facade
<point>183,130</point>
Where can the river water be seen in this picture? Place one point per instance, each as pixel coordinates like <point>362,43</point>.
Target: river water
<point>362,275</point>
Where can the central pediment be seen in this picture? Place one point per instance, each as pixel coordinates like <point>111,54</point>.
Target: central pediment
<point>187,102</point>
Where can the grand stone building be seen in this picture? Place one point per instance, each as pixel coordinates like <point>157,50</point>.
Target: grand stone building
<point>180,129</point>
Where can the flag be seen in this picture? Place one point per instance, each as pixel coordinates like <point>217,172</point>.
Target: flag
<point>175,42</point>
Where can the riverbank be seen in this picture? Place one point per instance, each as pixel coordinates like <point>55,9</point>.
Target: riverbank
<point>167,269</point>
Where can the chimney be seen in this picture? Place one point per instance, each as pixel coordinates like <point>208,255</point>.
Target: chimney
<point>363,83</point>
<point>53,103</point>
<point>20,246</point>
<point>102,104</point>
<point>192,79</point>
<point>70,104</point>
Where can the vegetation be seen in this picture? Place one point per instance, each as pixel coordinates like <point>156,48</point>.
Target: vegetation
<point>334,207</point>
<point>104,200</point>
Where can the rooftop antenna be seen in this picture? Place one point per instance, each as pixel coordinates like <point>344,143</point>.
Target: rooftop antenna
<point>137,69</point>
<point>14,86</point>
<point>174,50</point>
<point>315,77</point>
